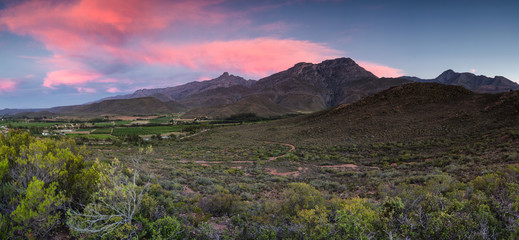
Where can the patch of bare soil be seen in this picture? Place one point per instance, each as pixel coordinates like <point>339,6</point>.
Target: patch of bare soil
<point>82,132</point>
<point>276,173</point>
<point>131,118</point>
<point>187,190</point>
<point>140,122</point>
<point>341,166</point>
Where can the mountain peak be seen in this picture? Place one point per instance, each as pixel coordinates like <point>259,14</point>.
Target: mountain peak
<point>339,61</point>
<point>447,74</point>
<point>449,71</point>
<point>339,68</point>
<point>228,77</point>
<point>224,74</point>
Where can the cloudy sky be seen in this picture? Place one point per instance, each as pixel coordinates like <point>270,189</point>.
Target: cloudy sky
<point>64,52</point>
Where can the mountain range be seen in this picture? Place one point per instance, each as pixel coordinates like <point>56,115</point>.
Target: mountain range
<point>475,83</point>
<point>305,87</point>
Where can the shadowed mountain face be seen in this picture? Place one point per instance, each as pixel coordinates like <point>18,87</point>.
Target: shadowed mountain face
<point>481,84</point>
<point>326,83</point>
<point>306,87</point>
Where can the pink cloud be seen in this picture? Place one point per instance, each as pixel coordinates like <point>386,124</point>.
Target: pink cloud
<point>275,27</point>
<point>113,90</point>
<point>204,78</point>
<point>8,85</point>
<point>85,34</point>
<point>70,77</point>
<point>257,57</point>
<point>70,26</point>
<point>381,70</point>
<point>86,90</point>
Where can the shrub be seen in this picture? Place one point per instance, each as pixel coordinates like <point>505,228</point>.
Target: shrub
<point>220,204</point>
<point>357,219</point>
<point>300,196</point>
<point>167,228</point>
<point>315,222</point>
<point>37,214</point>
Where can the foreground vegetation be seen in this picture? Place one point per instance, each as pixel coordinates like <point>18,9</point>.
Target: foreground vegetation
<point>400,169</point>
<point>191,190</point>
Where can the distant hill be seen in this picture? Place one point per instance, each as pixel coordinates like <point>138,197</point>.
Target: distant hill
<point>476,83</point>
<point>134,106</point>
<point>36,114</point>
<point>8,111</point>
<point>417,110</point>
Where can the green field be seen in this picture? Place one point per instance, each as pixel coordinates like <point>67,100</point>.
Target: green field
<point>103,124</point>
<point>102,131</point>
<point>85,129</point>
<point>120,123</point>
<point>161,120</point>
<point>123,131</point>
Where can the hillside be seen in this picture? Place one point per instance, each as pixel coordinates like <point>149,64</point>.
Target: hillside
<point>401,113</point>
<point>260,105</point>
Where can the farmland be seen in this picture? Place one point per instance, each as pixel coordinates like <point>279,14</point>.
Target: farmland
<point>105,129</point>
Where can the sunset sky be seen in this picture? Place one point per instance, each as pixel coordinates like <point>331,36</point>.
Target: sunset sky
<point>55,53</point>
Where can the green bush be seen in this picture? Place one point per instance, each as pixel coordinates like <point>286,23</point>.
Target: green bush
<point>300,196</point>
<point>37,213</point>
<point>357,219</point>
<point>167,228</point>
<point>220,204</point>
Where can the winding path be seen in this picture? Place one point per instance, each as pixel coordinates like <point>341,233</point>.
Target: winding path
<point>292,148</point>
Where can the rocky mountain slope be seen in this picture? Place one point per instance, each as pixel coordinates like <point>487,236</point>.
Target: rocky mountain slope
<point>180,92</point>
<point>306,87</point>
